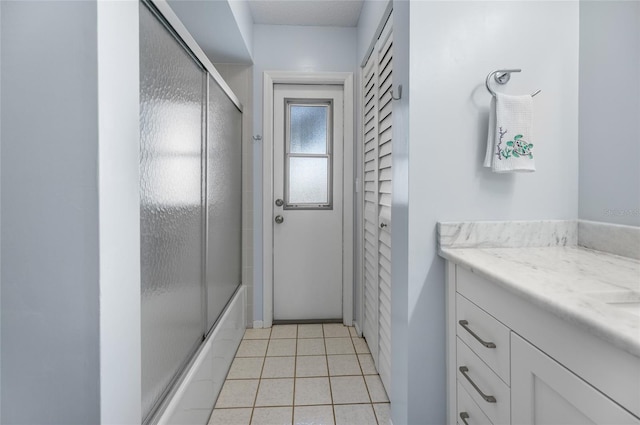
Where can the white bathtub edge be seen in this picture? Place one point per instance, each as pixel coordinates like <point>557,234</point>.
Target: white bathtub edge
<point>194,399</point>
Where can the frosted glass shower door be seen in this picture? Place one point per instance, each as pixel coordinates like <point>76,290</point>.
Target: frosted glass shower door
<point>172,98</point>
<point>224,201</point>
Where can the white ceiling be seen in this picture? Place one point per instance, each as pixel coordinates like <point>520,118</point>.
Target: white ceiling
<point>332,13</point>
<point>213,26</point>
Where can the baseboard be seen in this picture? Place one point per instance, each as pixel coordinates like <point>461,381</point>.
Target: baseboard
<point>193,400</point>
<point>258,324</point>
<point>358,330</point>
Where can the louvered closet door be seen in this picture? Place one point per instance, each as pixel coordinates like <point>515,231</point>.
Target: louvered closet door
<point>370,167</point>
<point>377,118</point>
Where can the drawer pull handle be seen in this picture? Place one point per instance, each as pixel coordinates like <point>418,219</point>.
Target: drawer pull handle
<point>487,398</point>
<point>464,416</point>
<point>465,325</point>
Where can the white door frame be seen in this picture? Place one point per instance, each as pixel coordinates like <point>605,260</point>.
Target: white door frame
<point>344,79</point>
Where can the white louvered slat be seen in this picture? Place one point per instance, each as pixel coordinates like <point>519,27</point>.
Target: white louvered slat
<point>385,112</point>
<point>385,88</point>
<point>385,174</point>
<point>385,162</point>
<point>385,124</point>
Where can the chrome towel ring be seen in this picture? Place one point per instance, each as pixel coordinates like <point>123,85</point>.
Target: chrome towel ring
<point>502,76</point>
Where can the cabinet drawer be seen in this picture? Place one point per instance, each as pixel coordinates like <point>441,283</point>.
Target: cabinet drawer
<point>468,407</point>
<point>487,337</point>
<point>476,372</point>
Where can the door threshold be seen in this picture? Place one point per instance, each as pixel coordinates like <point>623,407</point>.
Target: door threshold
<point>306,321</point>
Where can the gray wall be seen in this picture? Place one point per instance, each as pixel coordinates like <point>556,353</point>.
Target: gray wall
<point>400,314</point>
<point>610,111</point>
<point>370,18</point>
<point>49,199</point>
<point>438,173</point>
<point>0,215</point>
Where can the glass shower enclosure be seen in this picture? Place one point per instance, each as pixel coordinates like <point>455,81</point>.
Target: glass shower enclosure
<point>190,206</point>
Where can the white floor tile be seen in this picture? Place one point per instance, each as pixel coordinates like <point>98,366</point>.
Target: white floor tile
<point>272,416</point>
<point>308,366</point>
<point>238,393</point>
<point>230,417</point>
<point>279,367</point>
<point>361,345</point>
<point>335,330</point>
<point>310,391</point>
<point>246,368</point>
<point>383,413</point>
<point>252,348</point>
<point>329,368</point>
<point>354,414</point>
<point>349,389</point>
<point>282,347</point>
<point>313,415</point>
<point>284,331</point>
<point>376,389</point>
<point>310,331</point>
<point>275,392</point>
<point>341,365</point>
<point>257,333</point>
<point>311,347</point>
<point>367,364</point>
<point>339,346</point>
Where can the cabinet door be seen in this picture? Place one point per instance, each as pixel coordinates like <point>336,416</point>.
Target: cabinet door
<point>544,392</point>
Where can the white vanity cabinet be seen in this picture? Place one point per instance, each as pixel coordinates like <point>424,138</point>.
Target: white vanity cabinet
<point>512,362</point>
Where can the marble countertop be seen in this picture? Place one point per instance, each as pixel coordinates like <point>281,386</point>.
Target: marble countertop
<point>596,290</point>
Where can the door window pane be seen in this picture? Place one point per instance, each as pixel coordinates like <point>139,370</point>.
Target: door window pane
<point>308,129</point>
<point>308,181</point>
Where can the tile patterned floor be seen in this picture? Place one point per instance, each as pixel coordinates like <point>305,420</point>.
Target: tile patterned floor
<point>302,375</point>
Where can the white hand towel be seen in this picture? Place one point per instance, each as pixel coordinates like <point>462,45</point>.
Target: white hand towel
<point>509,145</point>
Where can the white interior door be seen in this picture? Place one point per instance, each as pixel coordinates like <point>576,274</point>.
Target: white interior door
<point>308,132</point>
<point>377,141</point>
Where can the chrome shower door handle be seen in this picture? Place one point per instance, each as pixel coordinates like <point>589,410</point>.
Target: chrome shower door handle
<point>279,219</point>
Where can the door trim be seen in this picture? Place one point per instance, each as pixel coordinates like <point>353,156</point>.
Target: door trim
<point>344,79</point>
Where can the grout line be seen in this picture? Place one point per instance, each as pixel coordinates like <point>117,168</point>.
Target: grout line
<point>359,364</point>
<point>375,415</point>
<point>295,376</point>
<point>326,357</point>
<point>255,399</point>
<point>365,382</point>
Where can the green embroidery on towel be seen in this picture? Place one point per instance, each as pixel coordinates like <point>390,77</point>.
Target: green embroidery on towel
<point>516,148</point>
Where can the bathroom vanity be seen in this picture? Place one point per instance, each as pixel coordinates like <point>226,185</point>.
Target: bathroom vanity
<point>540,330</point>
